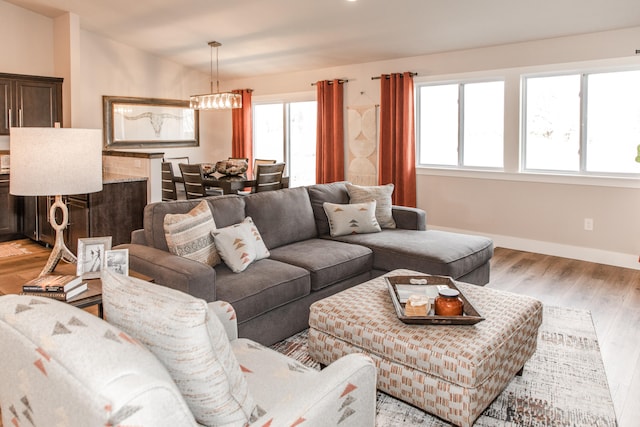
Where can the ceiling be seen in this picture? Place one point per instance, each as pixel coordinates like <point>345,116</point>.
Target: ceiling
<point>272,36</point>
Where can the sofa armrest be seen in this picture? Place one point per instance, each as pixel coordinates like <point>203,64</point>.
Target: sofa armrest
<point>344,394</point>
<point>227,315</point>
<point>409,218</point>
<point>172,271</point>
<point>137,237</point>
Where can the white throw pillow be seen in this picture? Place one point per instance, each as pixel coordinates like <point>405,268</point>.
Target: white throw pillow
<point>188,339</point>
<point>240,244</point>
<point>381,194</point>
<point>189,235</point>
<point>260,247</point>
<point>357,218</point>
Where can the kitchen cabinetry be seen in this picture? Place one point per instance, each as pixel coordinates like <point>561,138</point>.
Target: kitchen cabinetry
<point>8,211</point>
<point>29,101</point>
<point>115,211</point>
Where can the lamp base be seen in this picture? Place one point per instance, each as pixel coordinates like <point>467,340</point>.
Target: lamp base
<point>60,250</point>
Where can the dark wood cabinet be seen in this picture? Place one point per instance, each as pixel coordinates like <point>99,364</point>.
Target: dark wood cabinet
<point>9,213</point>
<point>29,101</point>
<point>34,222</point>
<point>115,211</point>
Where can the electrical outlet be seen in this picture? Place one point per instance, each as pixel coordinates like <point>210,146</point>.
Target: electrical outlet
<point>588,224</point>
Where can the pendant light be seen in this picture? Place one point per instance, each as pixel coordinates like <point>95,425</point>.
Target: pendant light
<point>218,100</point>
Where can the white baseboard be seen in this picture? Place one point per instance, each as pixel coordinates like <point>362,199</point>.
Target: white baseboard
<point>556,249</point>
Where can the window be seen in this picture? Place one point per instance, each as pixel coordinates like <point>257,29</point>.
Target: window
<point>461,124</point>
<point>582,123</point>
<point>286,131</point>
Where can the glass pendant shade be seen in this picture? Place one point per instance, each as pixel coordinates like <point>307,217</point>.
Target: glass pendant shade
<point>215,100</point>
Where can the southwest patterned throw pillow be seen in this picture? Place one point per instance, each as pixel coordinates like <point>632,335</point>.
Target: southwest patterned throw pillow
<point>355,218</point>
<point>381,194</point>
<point>240,245</point>
<point>189,235</point>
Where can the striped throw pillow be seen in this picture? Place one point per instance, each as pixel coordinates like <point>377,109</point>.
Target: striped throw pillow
<point>189,235</point>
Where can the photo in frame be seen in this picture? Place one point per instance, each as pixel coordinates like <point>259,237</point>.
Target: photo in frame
<point>91,253</point>
<point>148,122</point>
<point>117,260</point>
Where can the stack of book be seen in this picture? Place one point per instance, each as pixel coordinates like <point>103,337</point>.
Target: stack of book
<point>58,286</point>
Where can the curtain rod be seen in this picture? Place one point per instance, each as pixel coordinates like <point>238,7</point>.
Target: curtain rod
<point>387,76</point>
<point>331,82</point>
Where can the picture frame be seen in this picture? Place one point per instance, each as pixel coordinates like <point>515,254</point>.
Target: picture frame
<point>91,254</point>
<point>149,122</point>
<point>117,260</point>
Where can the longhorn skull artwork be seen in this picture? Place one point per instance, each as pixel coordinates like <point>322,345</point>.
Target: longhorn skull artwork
<point>156,119</point>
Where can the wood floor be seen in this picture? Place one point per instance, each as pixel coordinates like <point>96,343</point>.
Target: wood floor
<point>612,294</point>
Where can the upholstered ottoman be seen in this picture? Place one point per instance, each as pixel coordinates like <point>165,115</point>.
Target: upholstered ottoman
<point>453,372</point>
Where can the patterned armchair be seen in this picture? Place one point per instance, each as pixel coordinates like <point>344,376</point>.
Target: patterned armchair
<point>163,359</point>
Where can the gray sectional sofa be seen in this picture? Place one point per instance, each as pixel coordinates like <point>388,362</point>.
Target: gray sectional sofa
<point>272,296</point>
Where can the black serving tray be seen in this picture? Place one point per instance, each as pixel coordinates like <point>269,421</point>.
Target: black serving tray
<point>470,315</point>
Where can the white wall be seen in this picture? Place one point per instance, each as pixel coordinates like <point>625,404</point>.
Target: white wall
<point>27,45</point>
<point>94,66</point>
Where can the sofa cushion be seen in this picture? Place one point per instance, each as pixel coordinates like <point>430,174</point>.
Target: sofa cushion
<point>335,192</point>
<point>327,261</point>
<point>282,216</point>
<point>188,339</point>
<point>189,235</point>
<point>226,210</point>
<point>357,218</point>
<point>263,286</point>
<point>432,251</point>
<point>381,194</point>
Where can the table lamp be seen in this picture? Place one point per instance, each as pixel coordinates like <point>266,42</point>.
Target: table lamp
<point>55,162</point>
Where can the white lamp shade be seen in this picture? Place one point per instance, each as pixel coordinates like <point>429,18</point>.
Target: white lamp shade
<point>55,161</point>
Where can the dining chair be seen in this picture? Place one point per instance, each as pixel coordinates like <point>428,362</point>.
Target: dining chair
<point>168,182</point>
<point>175,166</point>
<point>194,184</point>
<point>257,162</point>
<point>269,177</point>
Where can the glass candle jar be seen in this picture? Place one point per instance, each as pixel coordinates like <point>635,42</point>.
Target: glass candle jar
<point>448,303</point>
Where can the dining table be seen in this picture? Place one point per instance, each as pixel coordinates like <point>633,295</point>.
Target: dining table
<point>230,184</point>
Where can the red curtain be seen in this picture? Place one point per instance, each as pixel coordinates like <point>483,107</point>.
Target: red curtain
<point>242,129</point>
<point>397,137</point>
<point>330,132</point>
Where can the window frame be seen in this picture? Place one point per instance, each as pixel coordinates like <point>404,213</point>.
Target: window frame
<point>285,100</point>
<point>460,82</point>
<point>584,74</point>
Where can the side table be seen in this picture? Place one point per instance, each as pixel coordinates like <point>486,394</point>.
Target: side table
<point>92,296</point>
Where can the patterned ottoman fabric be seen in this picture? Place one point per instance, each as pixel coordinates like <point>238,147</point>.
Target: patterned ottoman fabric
<point>453,372</point>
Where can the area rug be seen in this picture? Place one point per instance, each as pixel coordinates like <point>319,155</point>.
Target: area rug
<point>12,249</point>
<point>563,384</point>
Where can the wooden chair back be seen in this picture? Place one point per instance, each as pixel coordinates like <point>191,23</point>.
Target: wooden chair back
<point>175,164</point>
<point>193,184</point>
<point>168,182</point>
<point>269,177</point>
